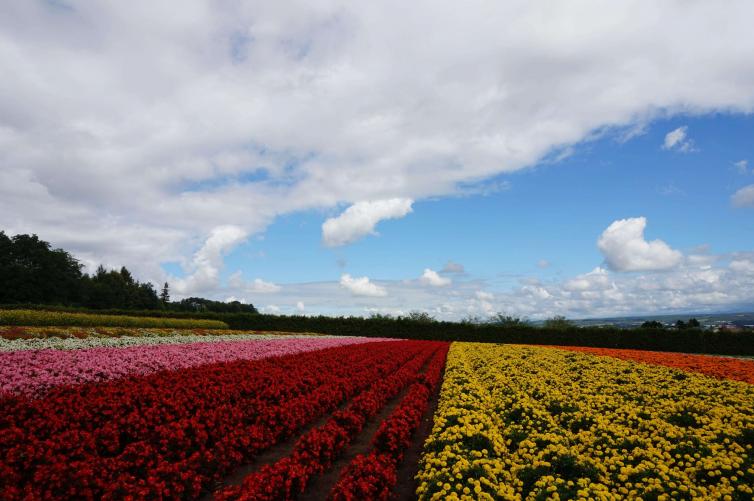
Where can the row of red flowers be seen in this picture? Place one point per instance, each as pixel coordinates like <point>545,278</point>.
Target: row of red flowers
<point>172,434</point>
<point>373,476</point>
<point>316,450</point>
<point>719,367</point>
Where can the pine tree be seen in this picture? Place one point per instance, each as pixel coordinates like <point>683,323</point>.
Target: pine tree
<point>165,294</point>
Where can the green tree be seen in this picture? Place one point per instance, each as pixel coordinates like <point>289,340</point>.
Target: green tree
<point>31,271</point>
<point>503,320</point>
<point>558,322</point>
<point>165,294</point>
<point>652,324</point>
<point>420,316</point>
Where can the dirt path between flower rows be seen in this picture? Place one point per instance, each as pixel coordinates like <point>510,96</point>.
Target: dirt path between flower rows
<point>405,488</point>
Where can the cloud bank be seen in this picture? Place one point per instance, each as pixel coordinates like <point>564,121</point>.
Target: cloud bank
<point>361,286</point>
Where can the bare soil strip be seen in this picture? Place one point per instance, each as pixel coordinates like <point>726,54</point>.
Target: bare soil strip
<point>405,488</point>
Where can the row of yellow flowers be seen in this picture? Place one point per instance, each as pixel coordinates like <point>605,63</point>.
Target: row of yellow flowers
<point>61,318</point>
<point>518,422</point>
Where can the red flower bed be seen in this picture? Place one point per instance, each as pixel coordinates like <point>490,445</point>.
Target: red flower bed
<point>374,475</point>
<point>719,367</point>
<point>316,450</point>
<point>171,434</point>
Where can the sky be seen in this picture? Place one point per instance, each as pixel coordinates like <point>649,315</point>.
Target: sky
<point>350,158</point>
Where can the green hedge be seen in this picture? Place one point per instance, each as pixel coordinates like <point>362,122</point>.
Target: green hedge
<point>687,341</point>
<point>60,318</point>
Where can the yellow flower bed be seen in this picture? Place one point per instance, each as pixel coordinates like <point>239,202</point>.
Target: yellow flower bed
<point>519,422</point>
<point>59,318</point>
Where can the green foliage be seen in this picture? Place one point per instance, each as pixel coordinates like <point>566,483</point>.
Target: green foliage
<point>652,324</point>
<point>198,304</point>
<point>558,322</point>
<point>503,320</point>
<point>31,272</point>
<point>58,318</point>
<point>691,324</point>
<point>420,316</point>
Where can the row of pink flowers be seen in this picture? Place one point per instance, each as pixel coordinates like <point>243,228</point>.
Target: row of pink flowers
<point>32,372</point>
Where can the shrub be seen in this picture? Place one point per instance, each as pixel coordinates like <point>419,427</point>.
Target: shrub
<point>57,318</point>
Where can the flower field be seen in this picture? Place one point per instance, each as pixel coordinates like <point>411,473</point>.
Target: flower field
<point>159,413</point>
<point>517,422</point>
<point>720,367</point>
<point>152,415</point>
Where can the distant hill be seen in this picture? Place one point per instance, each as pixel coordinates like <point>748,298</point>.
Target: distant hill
<point>745,319</point>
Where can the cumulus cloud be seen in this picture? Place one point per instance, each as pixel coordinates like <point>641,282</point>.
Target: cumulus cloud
<point>625,249</point>
<point>361,286</point>
<point>705,283</point>
<point>543,264</point>
<point>432,278</point>
<point>743,197</point>
<point>300,307</point>
<point>741,166</point>
<point>208,261</point>
<point>360,219</point>
<point>678,140</point>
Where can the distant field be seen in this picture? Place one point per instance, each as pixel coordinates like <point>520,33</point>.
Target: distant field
<point>112,412</point>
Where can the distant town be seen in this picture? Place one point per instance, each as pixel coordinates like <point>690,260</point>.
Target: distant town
<point>711,321</point>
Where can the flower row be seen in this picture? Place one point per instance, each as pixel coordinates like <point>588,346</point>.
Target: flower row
<point>147,338</point>
<point>374,475</point>
<point>516,422</point>
<point>46,318</point>
<point>172,434</point>
<point>34,372</point>
<point>720,367</point>
<point>316,450</point>
<point>20,333</point>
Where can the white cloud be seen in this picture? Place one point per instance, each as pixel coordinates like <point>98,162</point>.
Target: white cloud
<point>741,166</point>
<point>431,277</point>
<point>239,112</point>
<point>361,218</point>
<point>699,283</point>
<point>271,308</point>
<point>743,197</point>
<point>208,261</point>
<point>625,248</point>
<point>300,306</point>
<point>742,265</point>
<point>543,264</point>
<point>361,286</point>
<point>678,140</point>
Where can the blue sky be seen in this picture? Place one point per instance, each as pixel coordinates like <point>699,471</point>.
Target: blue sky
<point>553,211</point>
<point>330,157</point>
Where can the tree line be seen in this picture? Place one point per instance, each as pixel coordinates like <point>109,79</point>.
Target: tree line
<point>32,272</point>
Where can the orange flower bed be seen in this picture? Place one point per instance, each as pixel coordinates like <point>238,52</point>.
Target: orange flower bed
<point>719,367</point>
